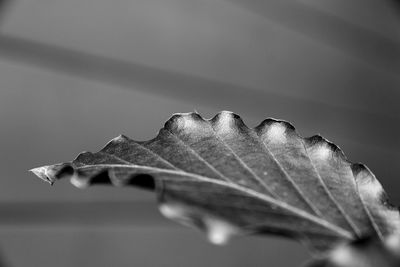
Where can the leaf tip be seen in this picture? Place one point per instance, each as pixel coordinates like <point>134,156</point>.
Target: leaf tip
<point>51,173</point>
<point>41,172</point>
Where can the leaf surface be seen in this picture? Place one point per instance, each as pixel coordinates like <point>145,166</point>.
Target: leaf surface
<point>226,178</point>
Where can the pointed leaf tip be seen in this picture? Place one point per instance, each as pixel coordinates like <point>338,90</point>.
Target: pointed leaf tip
<point>41,173</point>
<point>51,173</point>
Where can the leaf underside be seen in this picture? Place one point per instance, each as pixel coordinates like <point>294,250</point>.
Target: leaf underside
<point>226,178</point>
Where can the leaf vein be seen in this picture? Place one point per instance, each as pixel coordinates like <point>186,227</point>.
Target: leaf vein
<point>340,208</point>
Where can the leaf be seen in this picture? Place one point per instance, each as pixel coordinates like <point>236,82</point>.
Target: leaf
<point>225,178</point>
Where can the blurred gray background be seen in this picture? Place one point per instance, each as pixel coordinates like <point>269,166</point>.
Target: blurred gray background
<point>74,74</point>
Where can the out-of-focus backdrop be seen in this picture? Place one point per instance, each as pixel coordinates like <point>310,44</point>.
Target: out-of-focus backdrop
<point>74,74</point>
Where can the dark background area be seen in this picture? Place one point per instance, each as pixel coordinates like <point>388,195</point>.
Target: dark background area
<point>74,74</point>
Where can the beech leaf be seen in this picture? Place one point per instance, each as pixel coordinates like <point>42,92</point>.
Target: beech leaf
<point>226,178</point>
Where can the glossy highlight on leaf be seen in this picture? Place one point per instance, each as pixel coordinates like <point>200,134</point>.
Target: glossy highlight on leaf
<point>226,178</point>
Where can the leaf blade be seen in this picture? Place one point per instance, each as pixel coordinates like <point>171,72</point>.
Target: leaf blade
<point>266,179</point>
